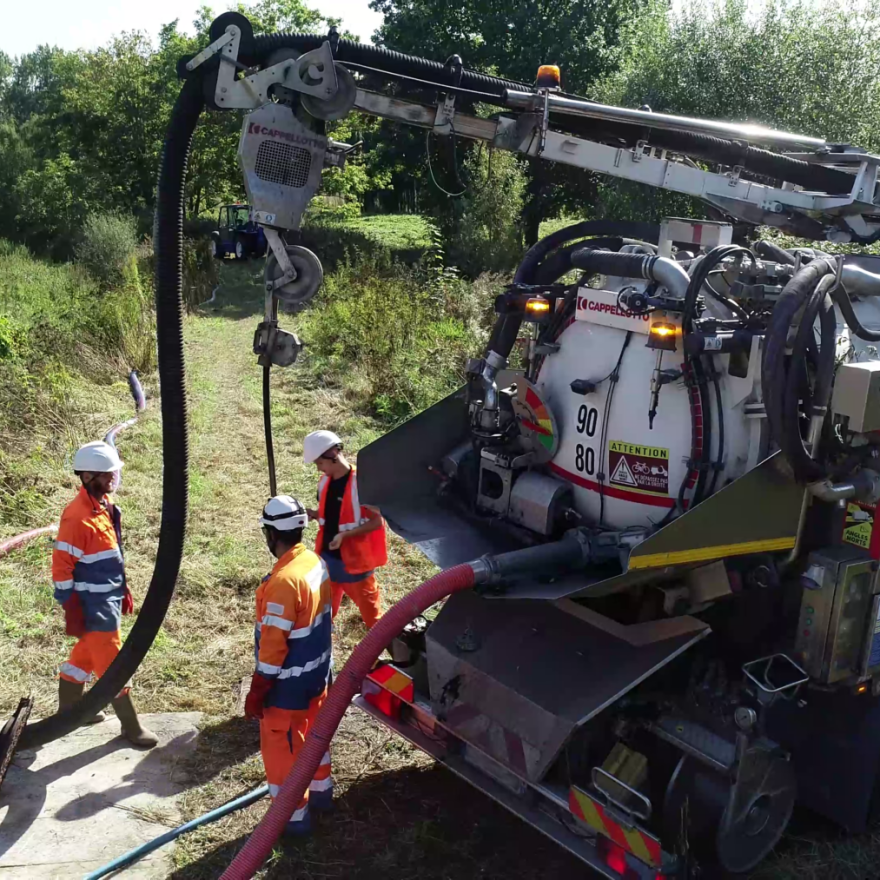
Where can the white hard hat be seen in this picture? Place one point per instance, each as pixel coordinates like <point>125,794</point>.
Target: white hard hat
<point>98,457</point>
<point>285,513</point>
<point>317,443</point>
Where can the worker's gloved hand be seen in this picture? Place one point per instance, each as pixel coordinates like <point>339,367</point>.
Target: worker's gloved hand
<point>253,704</point>
<point>127,602</point>
<point>74,616</point>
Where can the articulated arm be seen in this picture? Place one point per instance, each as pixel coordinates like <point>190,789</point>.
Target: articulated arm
<point>819,191</point>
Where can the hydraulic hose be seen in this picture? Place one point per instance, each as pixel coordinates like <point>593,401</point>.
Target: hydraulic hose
<point>506,328</point>
<point>664,271</point>
<point>774,375</point>
<point>145,849</point>
<point>267,428</point>
<point>841,297</point>
<point>623,228</point>
<point>771,251</point>
<point>169,324</point>
<point>345,686</point>
<point>804,465</point>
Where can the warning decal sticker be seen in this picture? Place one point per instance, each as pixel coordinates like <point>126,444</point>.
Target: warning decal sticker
<point>859,525</point>
<point>639,468</point>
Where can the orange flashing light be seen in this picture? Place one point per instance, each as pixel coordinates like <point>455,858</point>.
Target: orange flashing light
<point>549,77</point>
<point>862,688</point>
<point>537,306</point>
<point>662,336</point>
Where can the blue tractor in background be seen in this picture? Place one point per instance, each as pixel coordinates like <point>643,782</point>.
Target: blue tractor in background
<point>237,234</point>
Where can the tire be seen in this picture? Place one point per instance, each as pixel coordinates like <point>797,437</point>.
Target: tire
<point>240,251</point>
<point>216,249</point>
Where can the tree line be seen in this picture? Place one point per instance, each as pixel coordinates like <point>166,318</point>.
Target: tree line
<point>81,132</point>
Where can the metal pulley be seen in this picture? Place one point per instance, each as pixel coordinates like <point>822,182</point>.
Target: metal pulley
<point>337,107</point>
<point>295,284</point>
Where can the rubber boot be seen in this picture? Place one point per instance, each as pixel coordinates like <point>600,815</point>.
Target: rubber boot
<point>132,729</point>
<point>70,693</point>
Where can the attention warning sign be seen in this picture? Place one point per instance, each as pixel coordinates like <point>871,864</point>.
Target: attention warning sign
<point>639,468</point>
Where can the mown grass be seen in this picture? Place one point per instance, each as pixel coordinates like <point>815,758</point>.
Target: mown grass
<point>394,232</point>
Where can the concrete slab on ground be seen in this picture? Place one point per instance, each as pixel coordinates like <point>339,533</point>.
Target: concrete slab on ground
<point>75,804</point>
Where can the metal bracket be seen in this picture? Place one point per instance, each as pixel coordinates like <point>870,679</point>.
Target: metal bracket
<point>280,251</point>
<point>211,50</point>
<point>444,121</point>
<point>734,175</point>
<point>313,73</point>
<point>638,151</point>
<point>760,673</point>
<point>627,811</point>
<point>545,119</point>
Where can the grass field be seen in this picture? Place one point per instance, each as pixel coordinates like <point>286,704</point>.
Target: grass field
<point>396,813</point>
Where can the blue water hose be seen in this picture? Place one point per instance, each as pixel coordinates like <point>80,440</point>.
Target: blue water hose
<point>139,852</point>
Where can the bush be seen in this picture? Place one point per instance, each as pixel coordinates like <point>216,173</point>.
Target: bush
<point>396,338</point>
<point>107,247</point>
<point>484,233</point>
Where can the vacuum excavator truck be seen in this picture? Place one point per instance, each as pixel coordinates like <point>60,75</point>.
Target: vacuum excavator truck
<point>689,450</point>
<point>663,469</point>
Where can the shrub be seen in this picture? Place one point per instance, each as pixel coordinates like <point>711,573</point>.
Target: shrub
<point>395,337</point>
<point>107,247</point>
<point>484,234</point>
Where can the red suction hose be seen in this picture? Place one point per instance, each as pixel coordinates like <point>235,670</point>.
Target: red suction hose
<point>345,686</point>
<point>11,544</point>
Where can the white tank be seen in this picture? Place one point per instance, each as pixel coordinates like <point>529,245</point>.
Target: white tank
<point>643,467</point>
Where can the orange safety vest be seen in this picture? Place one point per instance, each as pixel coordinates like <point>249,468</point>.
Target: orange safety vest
<point>361,553</point>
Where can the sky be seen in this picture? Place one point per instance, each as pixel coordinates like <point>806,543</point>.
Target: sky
<point>88,24</point>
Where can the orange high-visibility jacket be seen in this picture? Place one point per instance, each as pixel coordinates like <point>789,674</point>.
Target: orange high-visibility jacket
<point>293,642</point>
<point>362,553</point>
<point>88,559</point>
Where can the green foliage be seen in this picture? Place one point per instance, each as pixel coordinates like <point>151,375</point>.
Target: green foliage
<point>810,67</point>
<point>81,132</point>
<point>107,247</point>
<point>383,237</point>
<point>55,322</point>
<point>485,233</point>
<point>394,338</point>
<point>512,39</point>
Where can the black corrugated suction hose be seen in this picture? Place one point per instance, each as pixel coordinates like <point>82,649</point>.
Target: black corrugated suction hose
<point>169,330</point>
<point>390,61</point>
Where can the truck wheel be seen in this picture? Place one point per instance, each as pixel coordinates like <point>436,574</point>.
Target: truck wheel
<point>240,251</point>
<point>216,249</point>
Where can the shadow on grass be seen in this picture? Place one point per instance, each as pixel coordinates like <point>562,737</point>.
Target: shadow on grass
<point>221,745</point>
<point>409,823</point>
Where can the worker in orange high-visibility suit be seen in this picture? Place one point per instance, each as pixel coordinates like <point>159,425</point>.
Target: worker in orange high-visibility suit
<point>351,535</point>
<point>293,654</point>
<point>89,577</point>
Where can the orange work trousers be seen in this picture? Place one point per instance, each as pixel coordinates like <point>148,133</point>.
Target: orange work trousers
<point>282,735</point>
<point>364,594</point>
<point>91,656</point>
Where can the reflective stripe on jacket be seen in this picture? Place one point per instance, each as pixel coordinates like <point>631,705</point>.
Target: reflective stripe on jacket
<point>362,553</point>
<point>87,558</point>
<point>293,643</point>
